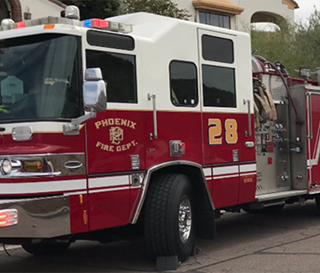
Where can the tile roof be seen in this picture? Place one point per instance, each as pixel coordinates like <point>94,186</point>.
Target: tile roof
<point>294,2</point>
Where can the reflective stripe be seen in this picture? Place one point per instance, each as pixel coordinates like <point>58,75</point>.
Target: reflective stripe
<point>225,170</point>
<point>108,190</point>
<point>43,187</point>
<point>74,193</point>
<point>109,181</point>
<point>246,174</point>
<point>225,176</point>
<point>207,171</point>
<point>248,168</point>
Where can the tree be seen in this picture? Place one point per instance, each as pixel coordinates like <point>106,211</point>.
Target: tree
<point>295,45</point>
<point>160,7</point>
<point>95,8</point>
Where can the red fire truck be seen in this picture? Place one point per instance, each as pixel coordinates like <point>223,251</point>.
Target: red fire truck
<point>145,124</point>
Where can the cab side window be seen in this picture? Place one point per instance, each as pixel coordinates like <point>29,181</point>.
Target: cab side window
<point>219,86</point>
<point>217,49</point>
<point>218,72</point>
<point>119,73</point>
<point>183,84</point>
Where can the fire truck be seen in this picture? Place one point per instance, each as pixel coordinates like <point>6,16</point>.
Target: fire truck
<point>143,124</point>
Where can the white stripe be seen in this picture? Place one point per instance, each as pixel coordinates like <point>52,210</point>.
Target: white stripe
<point>312,162</point>
<point>207,171</point>
<point>225,176</point>
<point>245,174</point>
<point>108,181</point>
<point>43,187</point>
<point>108,190</point>
<point>75,193</point>
<point>248,168</point>
<point>225,170</point>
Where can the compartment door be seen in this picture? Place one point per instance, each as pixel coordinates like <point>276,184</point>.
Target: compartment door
<point>313,130</point>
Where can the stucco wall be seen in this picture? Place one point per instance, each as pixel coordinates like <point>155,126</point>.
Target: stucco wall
<point>242,21</point>
<point>40,8</point>
<point>187,4</point>
<point>253,6</point>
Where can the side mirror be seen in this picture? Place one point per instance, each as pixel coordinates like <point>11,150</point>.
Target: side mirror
<point>94,91</point>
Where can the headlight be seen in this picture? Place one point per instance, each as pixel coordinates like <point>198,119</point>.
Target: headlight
<point>6,166</point>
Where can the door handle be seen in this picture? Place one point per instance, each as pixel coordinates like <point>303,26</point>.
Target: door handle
<point>249,144</point>
<point>248,102</point>
<point>73,165</point>
<point>310,135</point>
<point>155,124</point>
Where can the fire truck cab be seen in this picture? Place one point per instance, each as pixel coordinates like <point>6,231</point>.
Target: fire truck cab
<point>144,122</point>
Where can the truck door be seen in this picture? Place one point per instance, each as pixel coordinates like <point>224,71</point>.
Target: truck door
<point>313,130</point>
<point>227,106</point>
<point>114,139</point>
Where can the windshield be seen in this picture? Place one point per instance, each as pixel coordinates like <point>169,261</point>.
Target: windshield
<point>39,78</point>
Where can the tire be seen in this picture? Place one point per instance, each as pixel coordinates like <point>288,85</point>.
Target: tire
<point>272,209</point>
<point>46,248</point>
<point>318,202</point>
<point>170,217</point>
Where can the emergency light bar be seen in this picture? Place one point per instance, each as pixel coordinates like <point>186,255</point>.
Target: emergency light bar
<point>107,25</point>
<point>8,24</point>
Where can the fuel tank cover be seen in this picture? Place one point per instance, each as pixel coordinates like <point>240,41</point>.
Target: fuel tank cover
<point>22,133</point>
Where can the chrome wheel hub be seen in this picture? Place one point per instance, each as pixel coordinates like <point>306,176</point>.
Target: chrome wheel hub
<point>185,219</point>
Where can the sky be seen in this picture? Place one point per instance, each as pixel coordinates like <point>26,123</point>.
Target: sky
<point>306,9</point>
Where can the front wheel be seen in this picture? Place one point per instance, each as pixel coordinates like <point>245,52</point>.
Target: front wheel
<point>318,202</point>
<point>45,248</point>
<point>170,217</point>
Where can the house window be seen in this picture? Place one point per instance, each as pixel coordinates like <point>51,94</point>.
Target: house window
<point>4,12</point>
<point>214,19</point>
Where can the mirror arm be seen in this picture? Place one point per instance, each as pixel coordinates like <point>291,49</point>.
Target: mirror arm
<point>72,128</point>
<point>84,118</point>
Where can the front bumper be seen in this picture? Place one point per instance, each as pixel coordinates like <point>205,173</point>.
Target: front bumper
<point>38,217</point>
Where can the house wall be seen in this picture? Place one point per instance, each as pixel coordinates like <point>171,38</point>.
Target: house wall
<point>242,21</point>
<point>40,8</point>
<point>252,6</point>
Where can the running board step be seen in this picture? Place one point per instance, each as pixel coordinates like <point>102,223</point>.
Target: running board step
<point>279,195</point>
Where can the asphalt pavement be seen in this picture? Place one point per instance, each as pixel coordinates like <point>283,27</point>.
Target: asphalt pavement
<point>288,241</point>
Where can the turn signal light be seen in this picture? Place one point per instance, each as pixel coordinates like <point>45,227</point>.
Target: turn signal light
<point>49,26</point>
<point>80,199</point>
<point>32,166</point>
<point>85,217</point>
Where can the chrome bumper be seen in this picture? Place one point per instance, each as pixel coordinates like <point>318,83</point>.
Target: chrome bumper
<point>37,217</point>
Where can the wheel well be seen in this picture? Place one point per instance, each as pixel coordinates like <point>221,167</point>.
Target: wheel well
<point>196,180</point>
<point>204,207</point>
